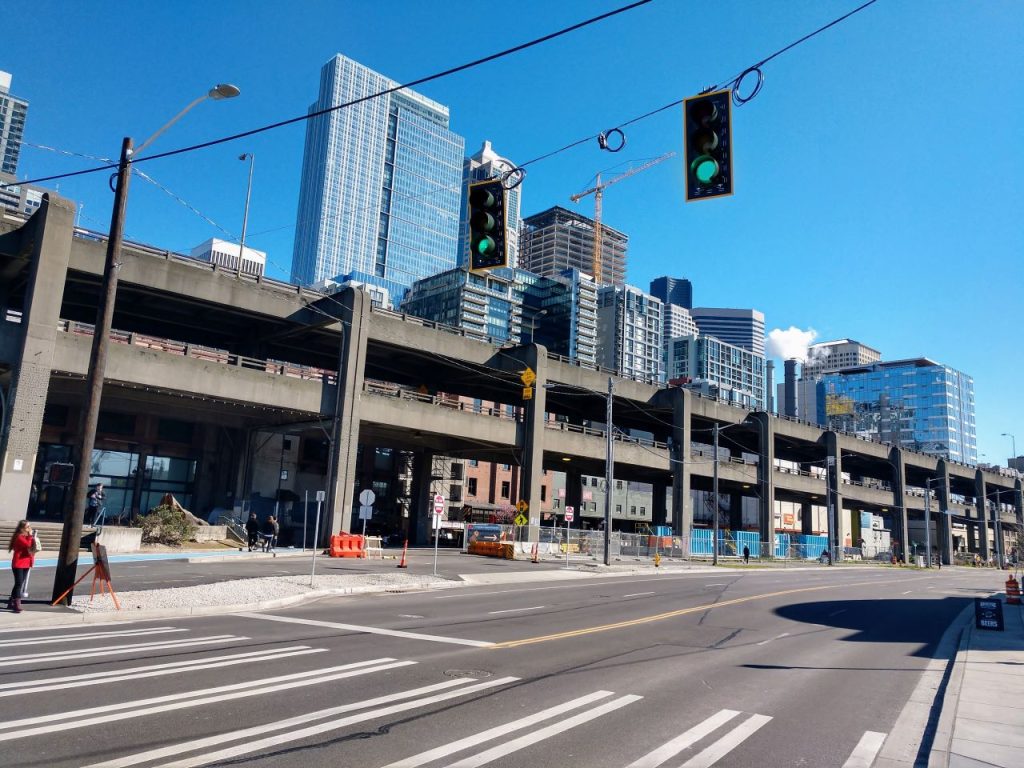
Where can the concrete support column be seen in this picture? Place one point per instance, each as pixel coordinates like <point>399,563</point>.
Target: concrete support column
<point>1018,505</point>
<point>43,243</point>
<point>736,511</point>
<point>574,491</point>
<point>679,400</point>
<point>981,507</point>
<point>421,508</point>
<point>765,478</point>
<point>900,531</point>
<point>834,489</point>
<point>659,503</point>
<point>943,521</point>
<point>354,316</point>
<point>806,518</point>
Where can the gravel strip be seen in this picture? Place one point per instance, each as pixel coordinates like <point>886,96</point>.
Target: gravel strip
<point>251,591</point>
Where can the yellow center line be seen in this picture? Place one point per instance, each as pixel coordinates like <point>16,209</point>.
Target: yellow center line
<point>671,615</point>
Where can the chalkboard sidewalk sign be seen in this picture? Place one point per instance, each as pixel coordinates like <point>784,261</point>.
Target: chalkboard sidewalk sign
<point>988,613</point>
<point>100,573</point>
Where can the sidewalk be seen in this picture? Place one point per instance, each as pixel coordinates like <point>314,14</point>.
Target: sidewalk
<point>982,720</point>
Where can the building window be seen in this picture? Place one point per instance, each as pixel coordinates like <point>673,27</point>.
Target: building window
<point>455,493</point>
<point>632,509</point>
<point>618,509</point>
<point>543,493</point>
<point>471,486</point>
<point>456,472</point>
<point>506,489</point>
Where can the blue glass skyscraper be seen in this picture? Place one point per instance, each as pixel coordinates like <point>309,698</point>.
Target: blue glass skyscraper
<point>918,404</point>
<point>381,184</point>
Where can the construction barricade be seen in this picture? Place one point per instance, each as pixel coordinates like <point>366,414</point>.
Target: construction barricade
<point>347,545</point>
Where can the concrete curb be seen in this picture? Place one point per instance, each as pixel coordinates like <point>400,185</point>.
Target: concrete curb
<point>943,739</point>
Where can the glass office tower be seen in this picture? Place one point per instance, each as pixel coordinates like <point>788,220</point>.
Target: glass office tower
<point>918,404</point>
<point>380,187</point>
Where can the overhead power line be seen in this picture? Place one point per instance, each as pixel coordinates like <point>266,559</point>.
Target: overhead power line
<point>368,97</point>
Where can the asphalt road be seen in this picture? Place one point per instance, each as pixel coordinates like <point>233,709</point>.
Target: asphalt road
<point>733,668</point>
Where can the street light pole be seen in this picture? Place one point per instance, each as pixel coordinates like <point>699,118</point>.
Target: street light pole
<point>71,536</point>
<point>245,217</point>
<point>609,476</point>
<point>533,323</point>
<point>714,500</point>
<point>1013,443</point>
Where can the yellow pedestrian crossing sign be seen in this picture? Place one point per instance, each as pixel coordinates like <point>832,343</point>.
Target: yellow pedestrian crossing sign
<point>521,507</point>
<point>521,519</point>
<point>528,376</point>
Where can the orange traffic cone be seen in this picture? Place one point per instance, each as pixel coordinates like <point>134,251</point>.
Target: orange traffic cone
<point>405,548</point>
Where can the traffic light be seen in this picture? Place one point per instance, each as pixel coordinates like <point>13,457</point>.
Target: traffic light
<point>487,225</point>
<point>707,123</point>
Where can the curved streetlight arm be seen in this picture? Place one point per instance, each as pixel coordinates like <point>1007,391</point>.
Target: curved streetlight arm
<point>222,91</point>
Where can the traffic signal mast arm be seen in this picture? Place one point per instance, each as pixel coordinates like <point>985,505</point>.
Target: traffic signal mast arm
<point>598,192</point>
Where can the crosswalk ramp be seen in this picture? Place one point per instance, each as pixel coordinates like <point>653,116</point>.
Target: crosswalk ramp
<point>469,724</point>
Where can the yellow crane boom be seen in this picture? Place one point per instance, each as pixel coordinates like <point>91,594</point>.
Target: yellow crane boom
<point>598,192</point>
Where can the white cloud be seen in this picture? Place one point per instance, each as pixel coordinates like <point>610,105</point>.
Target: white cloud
<point>789,343</point>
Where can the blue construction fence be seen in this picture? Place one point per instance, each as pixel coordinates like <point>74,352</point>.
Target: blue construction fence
<point>731,543</point>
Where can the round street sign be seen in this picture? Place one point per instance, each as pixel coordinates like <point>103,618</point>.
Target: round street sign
<point>439,504</point>
<point>367,497</point>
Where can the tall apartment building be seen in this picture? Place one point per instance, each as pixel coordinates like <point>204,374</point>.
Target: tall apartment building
<point>629,328</point>
<point>487,164</point>
<point>560,312</point>
<point>917,403</point>
<point>225,254</point>
<point>829,356</point>
<point>487,304</point>
<point>740,327</point>
<point>380,187</point>
<point>558,239</point>
<point>13,112</point>
<point>714,367</point>
<point>673,290</point>
<point>23,198</point>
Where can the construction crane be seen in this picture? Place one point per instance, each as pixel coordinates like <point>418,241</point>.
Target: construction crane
<point>598,192</point>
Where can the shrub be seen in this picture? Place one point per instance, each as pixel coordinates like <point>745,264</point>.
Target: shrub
<point>166,525</point>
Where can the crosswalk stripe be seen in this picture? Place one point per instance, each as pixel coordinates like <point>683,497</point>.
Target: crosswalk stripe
<point>369,630</point>
<point>530,739</point>
<point>263,730</point>
<point>115,650</point>
<point>89,636</point>
<point>492,733</point>
<point>864,753</point>
<point>315,730</point>
<point>672,748</point>
<point>154,670</point>
<point>727,743</point>
<point>61,721</point>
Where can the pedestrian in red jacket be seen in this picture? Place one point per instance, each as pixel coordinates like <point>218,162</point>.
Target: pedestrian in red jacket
<point>21,561</point>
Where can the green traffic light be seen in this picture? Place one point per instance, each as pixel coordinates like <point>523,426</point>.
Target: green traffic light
<point>485,246</point>
<point>705,168</point>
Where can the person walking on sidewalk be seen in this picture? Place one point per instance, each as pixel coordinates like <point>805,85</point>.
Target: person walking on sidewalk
<point>746,555</point>
<point>252,528</point>
<point>22,545</point>
<point>95,501</point>
<point>270,532</point>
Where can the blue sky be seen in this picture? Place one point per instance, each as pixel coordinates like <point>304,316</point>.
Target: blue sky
<point>878,174</point>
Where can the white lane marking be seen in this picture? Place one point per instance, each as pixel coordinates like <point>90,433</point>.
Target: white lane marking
<point>90,636</point>
<point>508,747</point>
<point>574,584</point>
<point>907,592</point>
<point>516,610</point>
<point>262,745</point>
<point>639,594</point>
<point>864,753</point>
<point>263,730</point>
<point>154,670</point>
<point>672,748</point>
<point>367,630</point>
<point>70,627</point>
<point>188,699</point>
<point>722,584</point>
<point>777,637</point>
<point>409,616</point>
<point>115,650</point>
<point>517,724</point>
<point>727,743</point>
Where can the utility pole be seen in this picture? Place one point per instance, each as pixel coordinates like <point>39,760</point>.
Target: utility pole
<point>928,522</point>
<point>245,217</point>
<point>71,536</point>
<point>609,476</point>
<point>714,500</point>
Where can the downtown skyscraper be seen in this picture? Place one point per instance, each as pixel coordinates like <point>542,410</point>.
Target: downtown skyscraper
<point>13,112</point>
<point>381,184</point>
